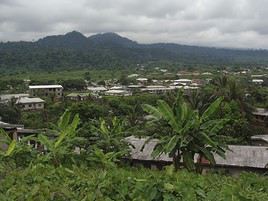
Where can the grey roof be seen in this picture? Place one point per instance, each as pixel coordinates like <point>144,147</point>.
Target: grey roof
<point>25,100</point>
<point>8,97</point>
<point>7,125</point>
<point>260,137</point>
<point>237,156</point>
<point>114,91</point>
<point>78,94</point>
<point>261,112</point>
<point>100,88</point>
<point>26,131</point>
<point>45,87</point>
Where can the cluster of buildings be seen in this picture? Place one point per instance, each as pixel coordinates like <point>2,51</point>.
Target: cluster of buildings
<point>33,100</point>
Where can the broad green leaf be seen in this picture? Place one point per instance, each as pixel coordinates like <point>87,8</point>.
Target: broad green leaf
<point>212,109</point>
<point>152,110</point>
<point>11,148</point>
<point>172,144</point>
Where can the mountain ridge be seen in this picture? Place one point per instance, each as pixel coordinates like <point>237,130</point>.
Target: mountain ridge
<point>73,49</point>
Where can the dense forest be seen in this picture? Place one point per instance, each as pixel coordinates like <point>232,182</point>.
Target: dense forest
<point>74,50</point>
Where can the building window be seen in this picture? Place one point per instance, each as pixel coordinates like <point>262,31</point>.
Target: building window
<point>30,105</point>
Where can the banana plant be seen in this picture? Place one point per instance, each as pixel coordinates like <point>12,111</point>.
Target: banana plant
<point>109,137</point>
<point>189,133</point>
<point>61,146</point>
<point>18,153</point>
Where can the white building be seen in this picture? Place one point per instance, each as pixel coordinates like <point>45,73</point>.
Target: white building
<point>133,75</point>
<point>31,103</point>
<point>46,91</point>
<point>257,81</point>
<point>142,80</point>
<point>96,90</point>
<point>115,92</point>
<point>157,89</point>
<point>183,81</point>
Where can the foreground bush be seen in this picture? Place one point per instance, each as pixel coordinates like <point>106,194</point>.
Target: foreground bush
<point>44,182</point>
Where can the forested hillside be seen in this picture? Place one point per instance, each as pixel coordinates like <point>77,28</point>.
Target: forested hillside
<point>74,50</point>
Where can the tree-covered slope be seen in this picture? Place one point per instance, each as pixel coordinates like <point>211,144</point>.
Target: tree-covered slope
<point>109,49</point>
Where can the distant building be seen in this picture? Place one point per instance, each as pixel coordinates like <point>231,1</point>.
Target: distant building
<point>257,81</point>
<point>259,140</point>
<point>261,114</point>
<point>18,132</point>
<point>78,96</point>
<point>118,92</point>
<point>258,76</point>
<point>55,91</point>
<point>30,103</point>
<point>97,90</point>
<point>183,81</point>
<point>163,70</point>
<point>133,75</point>
<point>6,98</point>
<point>206,73</point>
<point>118,87</point>
<point>156,89</point>
<point>142,80</point>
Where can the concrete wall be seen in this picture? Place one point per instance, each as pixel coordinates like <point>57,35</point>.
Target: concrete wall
<point>33,106</point>
<point>54,92</point>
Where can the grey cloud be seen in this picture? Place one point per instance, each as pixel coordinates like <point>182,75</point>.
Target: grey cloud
<point>225,23</point>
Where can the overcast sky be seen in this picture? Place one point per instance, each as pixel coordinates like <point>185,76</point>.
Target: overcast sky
<point>223,23</point>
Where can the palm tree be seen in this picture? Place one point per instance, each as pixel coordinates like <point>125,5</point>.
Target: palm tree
<point>190,132</point>
<point>232,90</point>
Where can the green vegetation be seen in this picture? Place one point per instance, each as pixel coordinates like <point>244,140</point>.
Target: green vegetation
<point>60,174</point>
<point>188,132</point>
<point>110,50</point>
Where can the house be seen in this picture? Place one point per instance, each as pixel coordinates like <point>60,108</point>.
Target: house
<point>163,70</point>
<point>237,158</point>
<point>206,73</point>
<point>156,89</point>
<point>55,91</point>
<point>142,80</point>
<point>18,132</point>
<point>259,140</point>
<point>97,90</point>
<point>78,96</point>
<point>118,92</point>
<point>258,81</point>
<point>135,88</point>
<point>183,81</point>
<point>10,129</point>
<point>7,98</point>
<point>261,114</point>
<point>258,76</point>
<point>118,87</point>
<point>27,104</point>
<point>133,75</point>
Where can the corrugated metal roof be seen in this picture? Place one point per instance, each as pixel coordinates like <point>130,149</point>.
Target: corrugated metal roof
<point>237,156</point>
<point>25,100</point>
